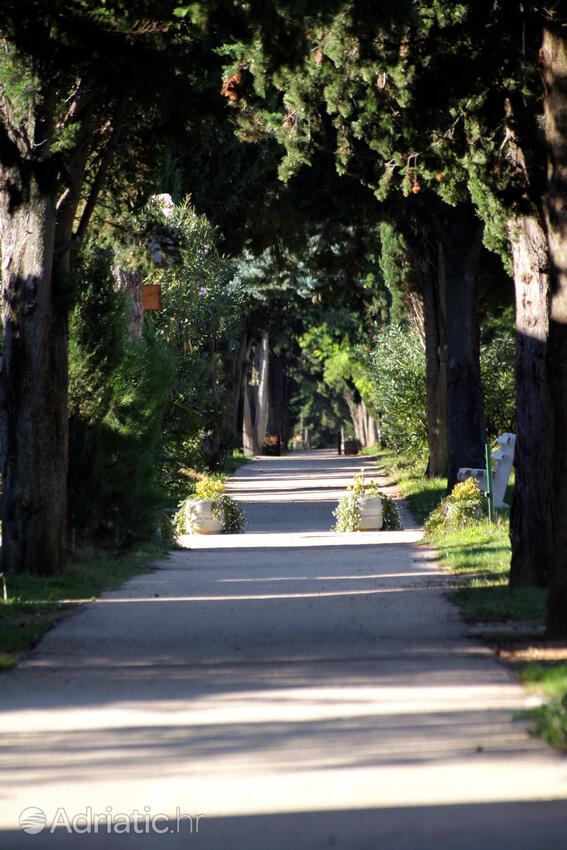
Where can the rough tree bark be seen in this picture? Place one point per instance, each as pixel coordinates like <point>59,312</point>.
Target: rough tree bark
<point>435,326</point>
<point>40,192</point>
<point>554,57</point>
<point>371,430</point>
<point>34,370</point>
<point>354,416</point>
<point>263,391</point>
<point>531,522</point>
<point>249,444</point>
<point>460,235</point>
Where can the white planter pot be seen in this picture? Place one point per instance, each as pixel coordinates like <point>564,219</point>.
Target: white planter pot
<point>199,514</point>
<point>371,515</point>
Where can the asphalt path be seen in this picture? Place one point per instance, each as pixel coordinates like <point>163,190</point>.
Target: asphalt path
<point>284,689</point>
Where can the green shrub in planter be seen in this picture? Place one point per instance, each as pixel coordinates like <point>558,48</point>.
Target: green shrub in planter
<point>348,511</point>
<point>347,514</point>
<point>223,507</point>
<point>464,506</point>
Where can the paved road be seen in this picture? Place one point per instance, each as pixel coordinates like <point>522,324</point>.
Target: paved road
<point>302,690</point>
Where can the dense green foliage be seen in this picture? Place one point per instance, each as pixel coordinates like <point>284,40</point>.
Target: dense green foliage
<point>397,372</point>
<point>164,402</point>
<point>118,399</point>
<point>497,355</point>
<point>201,319</point>
<point>146,410</point>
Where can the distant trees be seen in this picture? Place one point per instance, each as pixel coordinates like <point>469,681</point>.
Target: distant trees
<point>337,345</point>
<point>355,95</point>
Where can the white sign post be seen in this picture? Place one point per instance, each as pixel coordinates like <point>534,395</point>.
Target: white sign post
<point>504,462</point>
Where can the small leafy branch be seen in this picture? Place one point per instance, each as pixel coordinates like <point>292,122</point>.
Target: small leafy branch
<point>209,489</point>
<point>230,514</point>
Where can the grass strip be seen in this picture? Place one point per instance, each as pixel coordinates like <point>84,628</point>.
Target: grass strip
<point>550,719</point>
<point>37,603</point>
<point>234,461</point>
<point>479,553</point>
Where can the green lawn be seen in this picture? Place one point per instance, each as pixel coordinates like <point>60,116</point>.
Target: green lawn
<point>234,461</point>
<point>36,603</point>
<point>479,553</point>
<point>550,718</point>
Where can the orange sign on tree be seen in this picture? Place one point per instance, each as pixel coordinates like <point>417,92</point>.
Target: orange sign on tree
<point>151,297</point>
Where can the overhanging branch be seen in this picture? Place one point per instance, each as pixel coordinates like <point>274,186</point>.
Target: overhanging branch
<point>101,174</point>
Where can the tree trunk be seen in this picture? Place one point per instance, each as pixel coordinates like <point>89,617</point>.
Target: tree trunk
<point>358,422</point>
<point>368,425</point>
<point>285,432</point>
<point>351,404</point>
<point>249,444</point>
<point>554,56</point>
<point>361,418</point>
<point>531,525</point>
<point>256,400</point>
<point>235,377</point>
<point>363,423</point>
<point>34,379</point>
<point>371,430</point>
<point>417,314</point>
<point>131,282</point>
<point>278,421</point>
<point>435,325</point>
<point>263,392</point>
<point>461,237</point>
<point>40,192</point>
